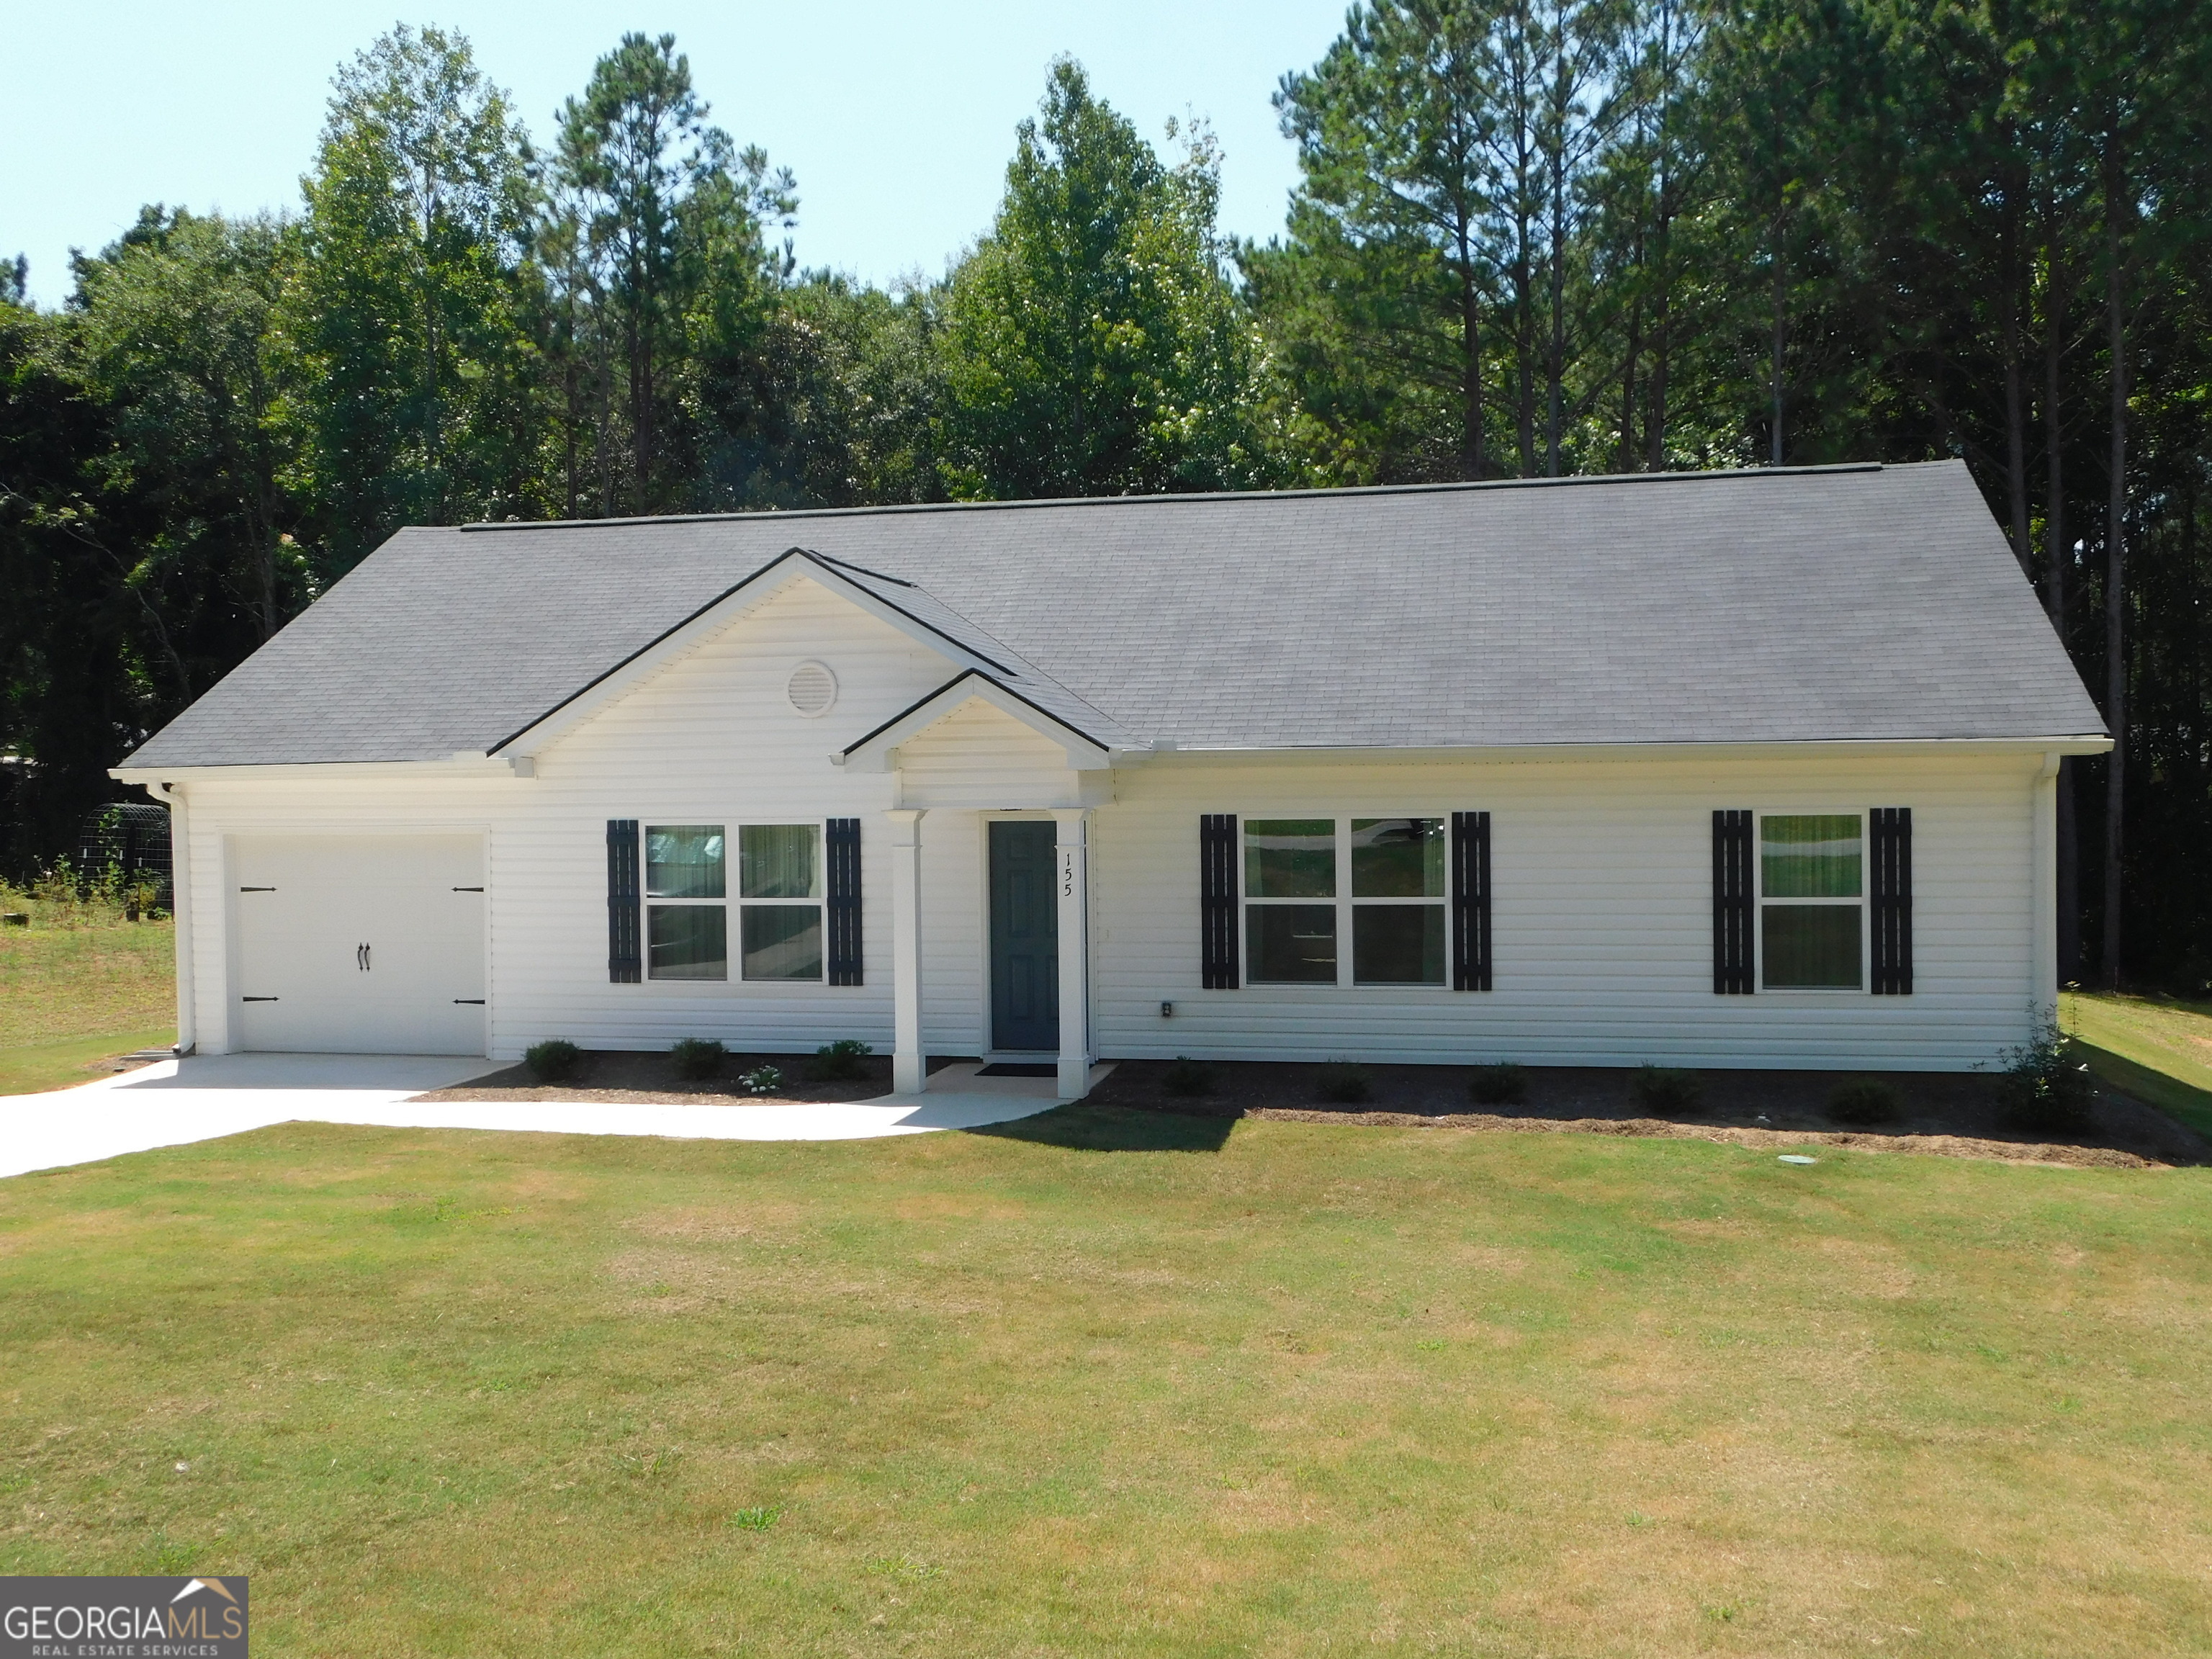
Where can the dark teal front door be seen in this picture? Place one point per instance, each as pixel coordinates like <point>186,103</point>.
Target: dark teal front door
<point>1024,938</point>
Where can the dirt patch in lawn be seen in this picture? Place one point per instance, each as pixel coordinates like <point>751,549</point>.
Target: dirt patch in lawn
<point>646,1080</point>
<point>1950,1113</point>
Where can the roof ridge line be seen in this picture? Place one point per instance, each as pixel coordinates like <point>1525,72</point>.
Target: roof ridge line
<point>1717,474</point>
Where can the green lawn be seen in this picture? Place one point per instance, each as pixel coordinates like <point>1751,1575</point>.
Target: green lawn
<point>2157,1048</point>
<point>77,987</point>
<point>1119,1384</point>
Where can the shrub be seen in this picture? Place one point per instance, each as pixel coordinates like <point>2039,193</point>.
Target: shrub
<point>63,897</point>
<point>2043,1087</point>
<point>1864,1100</point>
<point>1344,1084</point>
<point>1187,1079</point>
<point>840,1061</point>
<point>1505,1084</point>
<point>698,1057</point>
<point>1665,1091</point>
<point>762,1080</point>
<point>552,1061</point>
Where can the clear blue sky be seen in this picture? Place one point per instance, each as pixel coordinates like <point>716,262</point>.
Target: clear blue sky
<point>897,116</point>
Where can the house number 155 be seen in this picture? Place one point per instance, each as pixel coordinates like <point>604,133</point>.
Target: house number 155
<point>1067,874</point>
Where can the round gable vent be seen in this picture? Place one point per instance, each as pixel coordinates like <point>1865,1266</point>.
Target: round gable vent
<point>812,689</point>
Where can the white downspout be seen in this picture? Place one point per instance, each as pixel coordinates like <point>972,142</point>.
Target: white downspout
<point>180,906</point>
<point>2042,805</point>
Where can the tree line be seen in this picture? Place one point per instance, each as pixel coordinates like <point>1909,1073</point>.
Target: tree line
<point>1531,238</point>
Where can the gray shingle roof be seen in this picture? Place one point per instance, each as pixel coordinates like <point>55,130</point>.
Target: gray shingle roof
<point>1840,604</point>
<point>1007,667</point>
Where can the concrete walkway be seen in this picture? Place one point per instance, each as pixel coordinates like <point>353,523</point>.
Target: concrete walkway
<point>173,1103</point>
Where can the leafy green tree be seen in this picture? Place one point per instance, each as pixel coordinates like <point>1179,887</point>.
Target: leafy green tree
<point>1450,152</point>
<point>1092,343</point>
<point>178,329</point>
<point>72,692</point>
<point>417,380</point>
<point>1647,258</point>
<point>656,239</point>
<point>1378,301</point>
<point>145,540</point>
<point>836,404</point>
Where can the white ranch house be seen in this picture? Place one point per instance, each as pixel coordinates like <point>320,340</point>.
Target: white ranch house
<point>1722,770</point>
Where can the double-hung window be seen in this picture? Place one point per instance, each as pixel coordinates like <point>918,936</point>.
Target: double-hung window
<point>686,924</point>
<point>1398,934</point>
<point>780,885</point>
<point>1310,884</point>
<point>778,901</point>
<point>1289,900</point>
<point>1812,901</point>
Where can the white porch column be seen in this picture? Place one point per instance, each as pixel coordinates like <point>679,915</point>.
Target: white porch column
<point>909,1064</point>
<point>1070,882</point>
<point>2042,805</point>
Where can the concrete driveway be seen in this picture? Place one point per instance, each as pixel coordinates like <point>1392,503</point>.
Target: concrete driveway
<point>173,1103</point>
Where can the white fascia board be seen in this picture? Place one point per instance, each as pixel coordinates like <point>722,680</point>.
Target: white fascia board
<point>876,751</point>
<point>1535,754</point>
<point>469,765</point>
<point>771,579</point>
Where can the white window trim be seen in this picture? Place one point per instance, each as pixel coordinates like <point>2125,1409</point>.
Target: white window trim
<point>1343,901</point>
<point>648,901</point>
<point>1864,902</point>
<point>733,902</point>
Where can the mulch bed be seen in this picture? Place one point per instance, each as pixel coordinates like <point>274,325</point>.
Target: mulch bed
<point>647,1080</point>
<point>1948,1113</point>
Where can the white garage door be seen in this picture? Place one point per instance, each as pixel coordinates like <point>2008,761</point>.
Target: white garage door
<point>360,944</point>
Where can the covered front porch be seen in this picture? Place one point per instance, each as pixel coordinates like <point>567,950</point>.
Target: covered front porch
<point>1032,936</point>
<point>980,774</point>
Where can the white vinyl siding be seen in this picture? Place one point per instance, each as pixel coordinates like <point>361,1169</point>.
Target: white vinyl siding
<point>1602,925</point>
<point>1601,875</point>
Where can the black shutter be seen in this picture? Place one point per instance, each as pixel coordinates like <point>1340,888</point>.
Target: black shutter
<point>1216,900</point>
<point>1892,891</point>
<point>625,960</point>
<point>1732,903</point>
<point>843,841</point>
<point>1470,895</point>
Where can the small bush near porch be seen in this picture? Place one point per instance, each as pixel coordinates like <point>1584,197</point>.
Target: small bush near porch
<point>1119,1382</point>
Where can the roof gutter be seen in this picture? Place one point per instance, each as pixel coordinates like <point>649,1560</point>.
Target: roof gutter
<point>472,763</point>
<point>1170,752</point>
